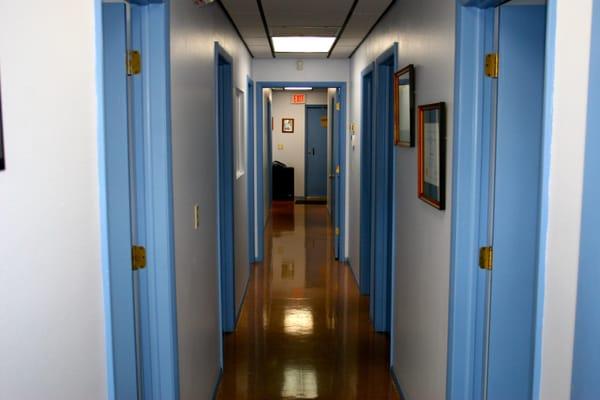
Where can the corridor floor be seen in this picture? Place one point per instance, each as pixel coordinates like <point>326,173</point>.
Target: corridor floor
<point>304,330</point>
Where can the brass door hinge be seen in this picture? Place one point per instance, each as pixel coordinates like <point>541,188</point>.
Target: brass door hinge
<point>134,62</point>
<point>486,258</point>
<point>337,231</point>
<point>138,257</point>
<point>492,65</point>
<point>337,169</point>
<point>338,106</point>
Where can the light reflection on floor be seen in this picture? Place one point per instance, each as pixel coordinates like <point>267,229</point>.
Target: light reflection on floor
<point>304,330</point>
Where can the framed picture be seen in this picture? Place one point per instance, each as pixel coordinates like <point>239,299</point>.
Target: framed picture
<point>287,125</point>
<point>432,154</point>
<point>2,159</point>
<point>404,107</point>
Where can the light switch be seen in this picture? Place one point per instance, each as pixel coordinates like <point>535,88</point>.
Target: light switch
<point>279,147</point>
<point>196,216</point>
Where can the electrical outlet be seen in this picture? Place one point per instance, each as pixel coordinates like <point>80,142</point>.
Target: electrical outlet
<point>196,216</point>
<point>279,147</point>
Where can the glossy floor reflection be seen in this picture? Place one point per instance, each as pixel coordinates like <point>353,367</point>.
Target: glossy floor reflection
<point>304,330</point>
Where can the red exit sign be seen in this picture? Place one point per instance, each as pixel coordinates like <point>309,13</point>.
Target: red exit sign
<point>299,98</point>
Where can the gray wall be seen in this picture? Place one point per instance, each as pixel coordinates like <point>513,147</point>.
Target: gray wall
<point>425,31</point>
<point>51,301</point>
<point>193,33</point>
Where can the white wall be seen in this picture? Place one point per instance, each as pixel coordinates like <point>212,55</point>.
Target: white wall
<point>51,303</point>
<point>293,152</point>
<point>266,97</point>
<point>567,119</point>
<point>280,70</point>
<point>193,33</point>
<point>425,32</point>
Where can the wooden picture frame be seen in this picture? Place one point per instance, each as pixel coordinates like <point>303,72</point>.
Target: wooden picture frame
<point>287,125</point>
<point>432,155</point>
<point>404,107</point>
<point>2,156</point>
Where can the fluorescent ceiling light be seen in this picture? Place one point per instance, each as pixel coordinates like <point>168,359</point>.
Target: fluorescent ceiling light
<point>298,88</point>
<point>302,44</point>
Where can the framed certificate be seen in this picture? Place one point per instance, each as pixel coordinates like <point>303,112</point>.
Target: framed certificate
<point>432,154</point>
<point>2,160</point>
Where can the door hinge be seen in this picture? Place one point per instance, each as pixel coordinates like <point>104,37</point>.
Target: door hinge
<point>138,257</point>
<point>486,258</point>
<point>337,231</point>
<point>492,65</point>
<point>338,106</point>
<point>134,62</point>
<point>337,169</point>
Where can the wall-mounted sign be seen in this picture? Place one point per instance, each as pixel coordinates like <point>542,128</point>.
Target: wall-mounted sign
<point>2,162</point>
<point>299,98</point>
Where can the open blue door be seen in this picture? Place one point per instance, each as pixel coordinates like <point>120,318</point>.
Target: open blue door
<point>316,152</point>
<point>123,368</point>
<point>516,202</point>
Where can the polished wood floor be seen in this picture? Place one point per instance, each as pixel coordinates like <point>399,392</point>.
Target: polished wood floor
<point>304,330</point>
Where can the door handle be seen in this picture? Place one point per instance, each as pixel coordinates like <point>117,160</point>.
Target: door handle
<point>332,176</point>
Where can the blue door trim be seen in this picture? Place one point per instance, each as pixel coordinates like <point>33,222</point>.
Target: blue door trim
<point>366,181</point>
<point>160,320</point>
<point>586,357</point>
<point>225,173</point>
<point>115,211</point>
<point>306,108</point>
<point>341,86</point>
<point>384,158</point>
<point>472,120</point>
<point>251,171</point>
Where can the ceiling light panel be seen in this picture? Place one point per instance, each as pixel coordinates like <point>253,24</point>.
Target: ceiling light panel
<point>302,44</point>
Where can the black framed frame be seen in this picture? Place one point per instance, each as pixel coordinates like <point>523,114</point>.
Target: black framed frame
<point>2,154</point>
<point>432,154</point>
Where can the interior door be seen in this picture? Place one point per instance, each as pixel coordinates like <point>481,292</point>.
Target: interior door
<point>335,159</point>
<point>516,197</point>
<point>116,104</point>
<point>316,152</point>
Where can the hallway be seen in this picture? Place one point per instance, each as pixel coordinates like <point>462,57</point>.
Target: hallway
<point>304,330</point>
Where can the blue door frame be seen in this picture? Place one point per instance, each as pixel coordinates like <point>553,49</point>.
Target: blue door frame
<point>157,336</point>
<point>250,168</point>
<point>308,173</point>
<point>472,126</point>
<point>384,165</point>
<point>261,211</point>
<point>225,168</point>
<point>586,357</point>
<point>366,181</point>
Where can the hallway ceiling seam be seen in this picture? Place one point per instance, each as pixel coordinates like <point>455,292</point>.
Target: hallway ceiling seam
<point>266,26</point>
<point>388,8</point>
<point>220,3</point>
<point>343,28</point>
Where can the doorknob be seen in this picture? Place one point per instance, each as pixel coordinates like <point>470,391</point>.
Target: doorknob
<point>332,176</point>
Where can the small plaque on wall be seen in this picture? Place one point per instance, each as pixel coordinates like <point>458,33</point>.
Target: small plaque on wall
<point>2,158</point>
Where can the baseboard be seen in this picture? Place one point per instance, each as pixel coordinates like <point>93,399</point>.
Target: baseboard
<point>217,383</point>
<point>397,383</point>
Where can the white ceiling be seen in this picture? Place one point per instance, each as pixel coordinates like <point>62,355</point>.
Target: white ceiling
<point>304,18</point>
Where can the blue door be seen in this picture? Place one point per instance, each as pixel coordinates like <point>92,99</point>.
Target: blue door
<point>224,76</point>
<point>516,199</point>
<point>316,152</point>
<point>123,368</point>
<point>366,172</point>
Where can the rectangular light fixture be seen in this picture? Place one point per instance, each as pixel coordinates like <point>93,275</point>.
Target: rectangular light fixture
<point>302,44</point>
<point>298,88</point>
